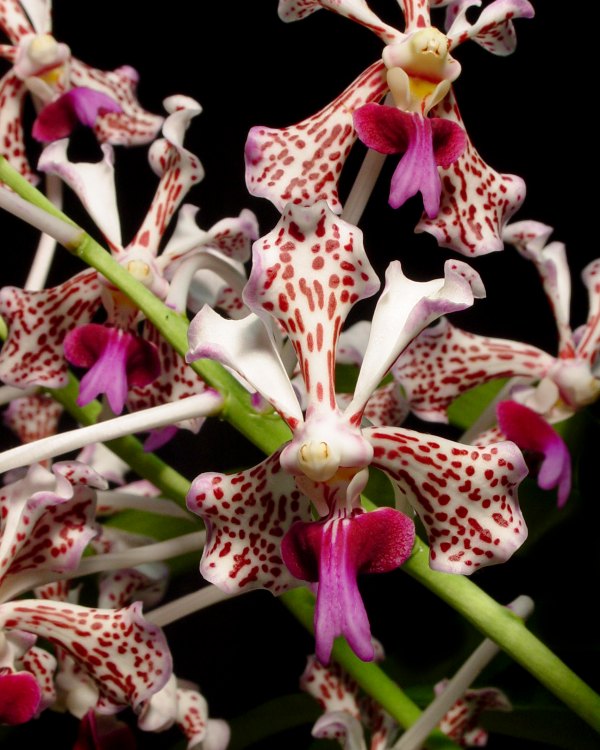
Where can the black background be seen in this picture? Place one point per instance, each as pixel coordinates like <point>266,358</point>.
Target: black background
<point>528,115</point>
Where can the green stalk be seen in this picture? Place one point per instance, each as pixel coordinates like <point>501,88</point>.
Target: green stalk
<point>509,632</point>
<point>368,675</point>
<point>268,432</point>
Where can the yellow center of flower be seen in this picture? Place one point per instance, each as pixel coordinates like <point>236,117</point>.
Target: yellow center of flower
<point>44,52</point>
<point>420,69</point>
<point>140,271</point>
<point>318,461</point>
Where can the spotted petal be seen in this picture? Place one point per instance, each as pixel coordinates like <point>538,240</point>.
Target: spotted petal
<point>307,274</point>
<point>38,323</point>
<point>356,10</point>
<point>33,417</point>
<point>12,93</point>
<point>60,117</point>
<point>444,361</point>
<point>13,20</point>
<point>460,723</point>
<point>476,201</point>
<point>494,29</point>
<point>177,168</point>
<point>126,656</point>
<point>132,126</point>
<point>465,497</point>
<point>47,519</point>
<point>416,14</point>
<point>193,721</point>
<point>404,309</point>
<point>42,665</point>
<point>333,688</point>
<point>301,164</point>
<point>247,515</point>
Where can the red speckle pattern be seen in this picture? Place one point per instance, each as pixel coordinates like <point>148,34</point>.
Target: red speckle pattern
<point>416,14</point>
<point>337,692</point>
<point>466,497</point>
<point>460,722</point>
<point>494,29</point>
<point>12,138</point>
<point>333,688</point>
<point>476,201</point>
<point>308,273</point>
<point>444,361</point>
<point>45,521</point>
<point>13,20</point>
<point>192,715</point>
<point>124,586</point>
<point>38,323</point>
<point>386,406</point>
<point>247,515</point>
<point>33,417</point>
<point>126,656</point>
<point>133,126</point>
<point>295,10</point>
<point>42,666</point>
<point>301,164</point>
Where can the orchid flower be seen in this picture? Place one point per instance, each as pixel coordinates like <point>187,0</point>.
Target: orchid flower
<point>302,163</point>
<point>347,712</point>
<point>306,276</point>
<point>141,370</point>
<point>444,362</point>
<point>65,90</point>
<point>47,521</point>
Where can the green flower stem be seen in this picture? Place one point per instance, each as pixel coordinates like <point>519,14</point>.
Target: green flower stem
<point>368,675</point>
<point>268,432</point>
<point>509,632</point>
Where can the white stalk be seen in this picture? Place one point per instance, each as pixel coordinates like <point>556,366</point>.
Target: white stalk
<point>113,501</point>
<point>40,267</point>
<point>202,404</point>
<point>187,605</point>
<point>66,234</point>
<point>179,545</point>
<point>416,735</point>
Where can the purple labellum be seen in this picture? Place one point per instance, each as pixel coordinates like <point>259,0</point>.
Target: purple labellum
<point>82,105</point>
<point>531,432</point>
<point>20,697</point>
<point>157,438</point>
<point>425,143</point>
<point>333,551</point>
<point>117,360</point>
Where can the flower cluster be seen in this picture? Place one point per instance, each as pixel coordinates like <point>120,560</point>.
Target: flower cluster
<point>351,381</point>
